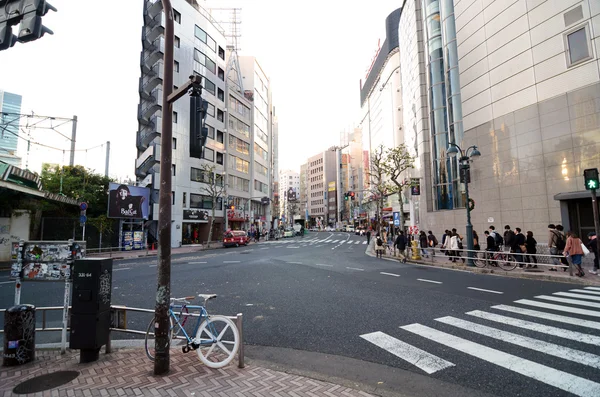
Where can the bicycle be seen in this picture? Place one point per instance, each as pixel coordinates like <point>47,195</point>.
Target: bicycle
<point>211,331</point>
<point>503,260</point>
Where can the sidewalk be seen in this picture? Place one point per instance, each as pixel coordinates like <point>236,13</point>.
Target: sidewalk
<point>128,372</point>
<point>542,273</point>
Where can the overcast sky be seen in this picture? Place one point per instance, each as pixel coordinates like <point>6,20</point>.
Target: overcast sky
<point>315,53</point>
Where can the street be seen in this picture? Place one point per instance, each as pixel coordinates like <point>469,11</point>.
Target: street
<point>322,293</point>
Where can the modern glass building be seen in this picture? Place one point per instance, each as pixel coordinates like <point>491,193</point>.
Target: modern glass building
<point>10,108</point>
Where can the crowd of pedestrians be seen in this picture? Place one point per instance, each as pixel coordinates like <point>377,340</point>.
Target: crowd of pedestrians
<point>566,248</point>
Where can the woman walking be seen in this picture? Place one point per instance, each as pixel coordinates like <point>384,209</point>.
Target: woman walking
<point>424,244</point>
<point>379,246</point>
<point>531,244</point>
<point>574,250</point>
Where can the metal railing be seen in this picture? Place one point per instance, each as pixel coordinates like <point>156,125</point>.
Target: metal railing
<point>119,324</point>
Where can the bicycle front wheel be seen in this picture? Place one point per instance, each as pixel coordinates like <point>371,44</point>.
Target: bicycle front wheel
<point>219,341</point>
<point>480,260</point>
<point>149,342</point>
<point>508,262</point>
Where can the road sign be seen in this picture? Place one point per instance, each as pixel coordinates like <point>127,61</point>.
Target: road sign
<point>396,218</point>
<point>83,206</point>
<point>82,219</point>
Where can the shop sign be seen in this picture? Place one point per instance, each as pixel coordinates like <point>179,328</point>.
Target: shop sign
<point>195,215</point>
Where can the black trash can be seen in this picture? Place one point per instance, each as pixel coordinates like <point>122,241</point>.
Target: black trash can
<point>19,335</point>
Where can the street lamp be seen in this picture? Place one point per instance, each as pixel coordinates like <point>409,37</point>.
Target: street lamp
<point>465,165</point>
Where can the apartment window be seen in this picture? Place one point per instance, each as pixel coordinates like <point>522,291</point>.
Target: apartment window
<point>221,52</point>
<point>200,175</point>
<point>205,61</point>
<point>579,46</point>
<point>221,74</point>
<point>203,202</point>
<point>184,199</point>
<point>176,66</point>
<point>211,110</point>
<point>173,169</point>
<point>211,132</point>
<point>239,126</point>
<point>262,187</point>
<point>172,198</point>
<point>261,169</point>
<point>207,84</point>
<point>175,117</point>
<point>238,164</point>
<point>174,143</point>
<point>220,136</point>
<point>220,115</point>
<point>219,158</point>
<point>205,38</point>
<point>176,16</point>
<point>238,183</point>
<point>208,154</point>
<point>261,135</point>
<point>260,152</point>
<point>218,179</point>
<point>221,94</point>
<point>239,145</point>
<point>177,42</point>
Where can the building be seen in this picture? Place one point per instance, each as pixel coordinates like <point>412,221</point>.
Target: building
<point>521,80</point>
<point>322,179</point>
<point>304,192</point>
<point>289,194</point>
<point>10,110</point>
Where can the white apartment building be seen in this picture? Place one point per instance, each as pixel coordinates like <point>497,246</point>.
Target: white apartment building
<point>289,193</point>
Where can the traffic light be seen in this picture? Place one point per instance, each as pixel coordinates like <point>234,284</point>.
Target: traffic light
<point>346,196</point>
<point>29,14</point>
<point>591,179</point>
<point>352,196</point>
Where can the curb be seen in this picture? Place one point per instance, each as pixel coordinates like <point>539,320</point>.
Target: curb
<point>495,272</point>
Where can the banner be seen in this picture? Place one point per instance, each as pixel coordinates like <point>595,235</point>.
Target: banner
<point>331,187</point>
<point>195,215</point>
<point>291,194</point>
<point>125,201</point>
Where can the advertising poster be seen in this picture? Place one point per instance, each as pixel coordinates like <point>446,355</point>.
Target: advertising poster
<point>127,241</point>
<point>130,202</point>
<point>138,240</point>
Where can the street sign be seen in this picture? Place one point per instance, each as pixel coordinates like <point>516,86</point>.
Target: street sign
<point>83,206</point>
<point>396,218</point>
<point>82,219</point>
<point>465,175</point>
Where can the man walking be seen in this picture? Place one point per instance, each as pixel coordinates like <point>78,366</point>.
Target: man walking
<point>400,244</point>
<point>369,236</point>
<point>554,240</point>
<point>519,246</point>
<point>433,242</point>
<point>593,246</point>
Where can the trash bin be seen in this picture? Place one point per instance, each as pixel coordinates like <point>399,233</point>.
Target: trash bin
<point>19,335</point>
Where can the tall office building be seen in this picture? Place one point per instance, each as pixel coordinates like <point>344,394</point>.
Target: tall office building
<point>289,195</point>
<point>322,180</point>
<point>10,108</point>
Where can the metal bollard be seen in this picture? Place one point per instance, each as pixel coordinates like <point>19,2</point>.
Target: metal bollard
<point>238,322</point>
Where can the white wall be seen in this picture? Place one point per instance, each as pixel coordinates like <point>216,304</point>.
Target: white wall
<point>12,229</point>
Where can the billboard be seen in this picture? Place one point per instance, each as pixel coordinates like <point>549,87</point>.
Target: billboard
<point>291,194</point>
<point>331,187</point>
<point>126,201</point>
<point>195,215</point>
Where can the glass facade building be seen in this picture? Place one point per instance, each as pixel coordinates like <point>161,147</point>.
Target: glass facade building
<point>10,107</point>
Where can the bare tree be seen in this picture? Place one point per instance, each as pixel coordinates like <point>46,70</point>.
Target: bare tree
<point>214,187</point>
<point>396,161</point>
<point>378,186</point>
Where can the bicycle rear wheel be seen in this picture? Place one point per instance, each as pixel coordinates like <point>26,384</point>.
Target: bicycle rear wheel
<point>219,341</point>
<point>480,260</point>
<point>507,262</point>
<point>149,342</point>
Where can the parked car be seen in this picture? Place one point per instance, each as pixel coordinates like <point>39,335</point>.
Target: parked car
<point>235,238</point>
<point>289,232</point>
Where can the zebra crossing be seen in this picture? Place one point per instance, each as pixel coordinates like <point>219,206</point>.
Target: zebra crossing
<point>317,241</point>
<point>531,326</point>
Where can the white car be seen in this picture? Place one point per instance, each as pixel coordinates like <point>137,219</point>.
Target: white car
<point>289,233</point>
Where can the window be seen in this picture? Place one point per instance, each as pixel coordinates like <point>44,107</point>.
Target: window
<point>176,16</point>
<point>184,199</point>
<point>174,169</point>
<point>175,117</point>
<point>207,84</point>
<point>176,66</point>
<point>261,169</point>
<point>220,136</point>
<point>205,61</point>
<point>260,152</point>
<point>219,158</point>
<point>239,145</point>
<point>221,52</point>
<point>239,126</point>
<point>211,110</point>
<point>220,115</point>
<point>261,135</point>
<point>221,94</point>
<point>211,132</point>
<point>218,179</point>
<point>199,175</point>
<point>177,42</point>
<point>204,202</point>
<point>238,183</point>
<point>239,107</point>
<point>205,38</point>
<point>208,154</point>
<point>238,164</point>
<point>578,45</point>
<point>221,74</point>
<point>174,143</point>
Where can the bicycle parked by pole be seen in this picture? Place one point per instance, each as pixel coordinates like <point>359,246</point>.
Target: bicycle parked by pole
<point>500,259</point>
<point>216,338</point>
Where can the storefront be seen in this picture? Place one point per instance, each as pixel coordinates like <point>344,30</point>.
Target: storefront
<point>237,220</point>
<point>195,227</point>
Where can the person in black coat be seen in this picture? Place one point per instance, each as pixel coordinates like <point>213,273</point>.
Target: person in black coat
<point>530,244</point>
<point>423,243</point>
<point>368,236</point>
<point>517,243</point>
<point>400,244</point>
<point>593,247</point>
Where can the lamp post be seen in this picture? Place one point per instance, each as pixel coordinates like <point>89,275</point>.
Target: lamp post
<point>465,165</point>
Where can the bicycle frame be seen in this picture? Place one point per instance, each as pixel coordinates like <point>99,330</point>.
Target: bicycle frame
<point>203,316</point>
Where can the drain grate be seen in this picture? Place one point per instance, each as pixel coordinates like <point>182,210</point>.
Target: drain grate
<point>45,382</point>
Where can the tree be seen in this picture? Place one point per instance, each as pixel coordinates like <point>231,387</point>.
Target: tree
<point>378,186</point>
<point>293,210</point>
<point>396,161</point>
<point>214,187</point>
<point>103,224</point>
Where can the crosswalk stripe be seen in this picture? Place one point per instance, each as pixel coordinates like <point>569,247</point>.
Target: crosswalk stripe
<point>578,296</point>
<point>364,242</point>
<point>549,316</point>
<point>358,242</point>
<point>562,380</point>
<point>551,349</point>
<point>417,357</point>
<point>593,288</point>
<point>571,301</point>
<point>560,308</point>
<point>585,291</point>
<point>546,329</point>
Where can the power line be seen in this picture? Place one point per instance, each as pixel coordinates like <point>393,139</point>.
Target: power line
<point>52,147</point>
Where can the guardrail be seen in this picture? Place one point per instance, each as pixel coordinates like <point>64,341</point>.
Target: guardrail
<point>119,324</point>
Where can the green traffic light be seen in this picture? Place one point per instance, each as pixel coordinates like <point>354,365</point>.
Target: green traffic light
<point>592,184</point>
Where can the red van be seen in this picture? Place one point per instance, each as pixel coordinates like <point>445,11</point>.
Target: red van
<point>235,238</point>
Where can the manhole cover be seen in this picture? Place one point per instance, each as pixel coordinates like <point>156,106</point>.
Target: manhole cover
<point>45,382</point>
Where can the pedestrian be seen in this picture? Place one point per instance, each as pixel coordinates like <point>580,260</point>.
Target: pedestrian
<point>593,246</point>
<point>378,246</point>
<point>369,236</point>
<point>573,249</point>
<point>519,247</point>
<point>564,260</point>
<point>554,240</point>
<point>509,236</point>
<point>444,236</point>
<point>497,238</point>
<point>423,241</point>
<point>400,244</point>
<point>531,244</point>
<point>455,246</point>
<point>433,242</point>
<point>490,246</point>
<point>476,245</point>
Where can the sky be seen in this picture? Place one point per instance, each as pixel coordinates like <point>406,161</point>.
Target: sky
<point>314,52</point>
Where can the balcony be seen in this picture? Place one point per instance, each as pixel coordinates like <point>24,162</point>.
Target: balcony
<point>153,9</point>
<point>148,133</point>
<point>156,28</point>
<point>155,79</point>
<point>156,52</point>
<point>147,160</point>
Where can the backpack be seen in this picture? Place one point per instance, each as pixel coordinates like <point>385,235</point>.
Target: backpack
<point>498,239</point>
<point>379,241</point>
<point>560,241</point>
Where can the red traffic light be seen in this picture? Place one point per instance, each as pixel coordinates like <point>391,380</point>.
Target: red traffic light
<point>351,194</point>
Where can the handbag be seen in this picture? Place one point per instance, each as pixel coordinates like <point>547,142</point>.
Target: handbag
<point>585,249</point>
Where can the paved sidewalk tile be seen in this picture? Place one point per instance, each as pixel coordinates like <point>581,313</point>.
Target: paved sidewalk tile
<point>127,372</point>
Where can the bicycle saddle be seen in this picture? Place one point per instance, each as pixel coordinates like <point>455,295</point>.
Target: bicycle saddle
<point>207,297</point>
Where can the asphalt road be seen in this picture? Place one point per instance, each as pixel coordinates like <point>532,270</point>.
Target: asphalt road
<point>321,293</point>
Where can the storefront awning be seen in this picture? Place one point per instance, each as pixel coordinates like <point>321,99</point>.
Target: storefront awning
<point>584,194</point>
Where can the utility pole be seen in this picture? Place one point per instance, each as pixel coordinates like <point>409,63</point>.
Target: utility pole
<point>73,135</point>
<point>107,158</point>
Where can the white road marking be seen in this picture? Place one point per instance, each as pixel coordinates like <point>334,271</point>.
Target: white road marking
<point>419,358</point>
<point>364,243</point>
<point>7,282</point>
<point>562,380</point>
<point>545,329</point>
<point>321,264</point>
<point>293,246</point>
<point>264,248</point>
<point>571,301</point>
<point>585,291</point>
<point>485,290</point>
<point>578,296</point>
<point>196,263</point>
<point>560,308</point>
<point>358,242</point>
<point>390,274</point>
<point>231,261</point>
<point>249,304</point>
<point>295,263</point>
<point>551,349</point>
<point>334,241</point>
<point>153,265</point>
<point>593,288</point>
<point>123,268</point>
<point>549,316</point>
<point>355,268</point>
<point>429,281</point>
